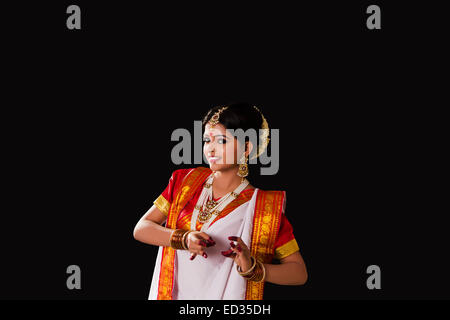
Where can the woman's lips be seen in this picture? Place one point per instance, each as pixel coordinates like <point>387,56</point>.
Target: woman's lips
<point>213,159</point>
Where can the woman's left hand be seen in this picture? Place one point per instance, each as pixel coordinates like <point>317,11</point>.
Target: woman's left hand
<point>240,253</point>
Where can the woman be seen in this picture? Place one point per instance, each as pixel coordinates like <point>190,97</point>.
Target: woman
<point>221,233</point>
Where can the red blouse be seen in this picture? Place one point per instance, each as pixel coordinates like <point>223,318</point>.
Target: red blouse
<point>285,244</point>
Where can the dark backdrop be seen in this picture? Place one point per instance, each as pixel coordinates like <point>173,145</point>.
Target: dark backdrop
<point>90,113</point>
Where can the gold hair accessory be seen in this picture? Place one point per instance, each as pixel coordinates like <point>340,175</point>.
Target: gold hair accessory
<point>264,137</point>
<point>215,118</point>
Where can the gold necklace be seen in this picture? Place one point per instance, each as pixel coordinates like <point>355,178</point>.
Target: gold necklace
<point>206,212</point>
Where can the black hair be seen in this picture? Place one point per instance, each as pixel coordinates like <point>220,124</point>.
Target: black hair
<point>240,115</point>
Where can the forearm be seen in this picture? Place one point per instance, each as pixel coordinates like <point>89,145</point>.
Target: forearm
<point>289,273</point>
<point>152,233</point>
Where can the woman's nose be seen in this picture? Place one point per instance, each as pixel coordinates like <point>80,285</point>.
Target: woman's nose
<point>211,147</point>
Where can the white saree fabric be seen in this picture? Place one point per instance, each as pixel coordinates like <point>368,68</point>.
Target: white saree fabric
<point>216,277</point>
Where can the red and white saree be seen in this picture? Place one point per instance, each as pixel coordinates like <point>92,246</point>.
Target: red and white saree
<point>256,216</point>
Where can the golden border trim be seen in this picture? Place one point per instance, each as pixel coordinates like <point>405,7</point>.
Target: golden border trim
<point>190,183</point>
<point>266,223</point>
<point>162,204</point>
<point>286,249</point>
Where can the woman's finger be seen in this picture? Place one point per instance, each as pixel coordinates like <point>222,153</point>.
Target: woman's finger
<point>198,240</point>
<point>199,252</point>
<point>202,243</point>
<point>228,253</point>
<point>241,245</point>
<point>236,248</point>
<point>208,239</point>
<point>238,240</point>
<point>197,247</point>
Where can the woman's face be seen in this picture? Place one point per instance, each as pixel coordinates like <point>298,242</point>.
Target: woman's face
<point>221,148</point>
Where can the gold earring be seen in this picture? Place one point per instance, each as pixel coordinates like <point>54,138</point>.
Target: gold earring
<point>243,167</point>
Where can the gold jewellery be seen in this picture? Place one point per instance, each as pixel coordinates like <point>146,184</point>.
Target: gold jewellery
<point>206,213</point>
<point>256,273</point>
<point>265,131</point>
<point>264,139</point>
<point>264,136</point>
<point>215,118</point>
<point>243,167</point>
<point>207,209</point>
<point>178,239</point>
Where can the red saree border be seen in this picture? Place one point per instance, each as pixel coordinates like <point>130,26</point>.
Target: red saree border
<point>191,182</point>
<point>266,224</point>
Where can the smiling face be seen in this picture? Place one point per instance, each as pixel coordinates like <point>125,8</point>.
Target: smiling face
<point>221,148</point>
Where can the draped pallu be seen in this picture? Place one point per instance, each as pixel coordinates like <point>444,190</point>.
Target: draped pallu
<point>266,222</point>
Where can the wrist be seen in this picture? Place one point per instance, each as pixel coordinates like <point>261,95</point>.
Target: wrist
<point>184,240</point>
<point>256,273</point>
<point>249,270</point>
<point>246,265</point>
<point>176,239</point>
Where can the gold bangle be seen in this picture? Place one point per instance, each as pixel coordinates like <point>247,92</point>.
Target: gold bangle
<point>176,237</point>
<point>249,271</point>
<point>259,273</point>
<point>183,240</point>
<point>264,272</point>
<point>255,275</point>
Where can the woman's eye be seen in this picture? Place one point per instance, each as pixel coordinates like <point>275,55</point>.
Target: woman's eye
<point>220,141</point>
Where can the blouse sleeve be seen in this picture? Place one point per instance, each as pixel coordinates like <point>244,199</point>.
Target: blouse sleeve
<point>165,199</point>
<point>285,244</point>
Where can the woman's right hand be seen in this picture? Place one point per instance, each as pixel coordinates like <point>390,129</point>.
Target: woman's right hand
<point>197,241</point>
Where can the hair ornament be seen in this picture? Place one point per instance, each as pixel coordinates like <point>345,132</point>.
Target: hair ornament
<point>215,118</point>
<point>264,137</point>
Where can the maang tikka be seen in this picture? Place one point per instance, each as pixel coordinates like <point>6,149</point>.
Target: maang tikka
<point>215,118</point>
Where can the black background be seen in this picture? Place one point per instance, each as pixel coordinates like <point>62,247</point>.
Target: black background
<point>88,115</point>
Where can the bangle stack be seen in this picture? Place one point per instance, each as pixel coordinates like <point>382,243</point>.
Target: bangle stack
<point>184,240</point>
<point>256,273</point>
<point>178,239</point>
